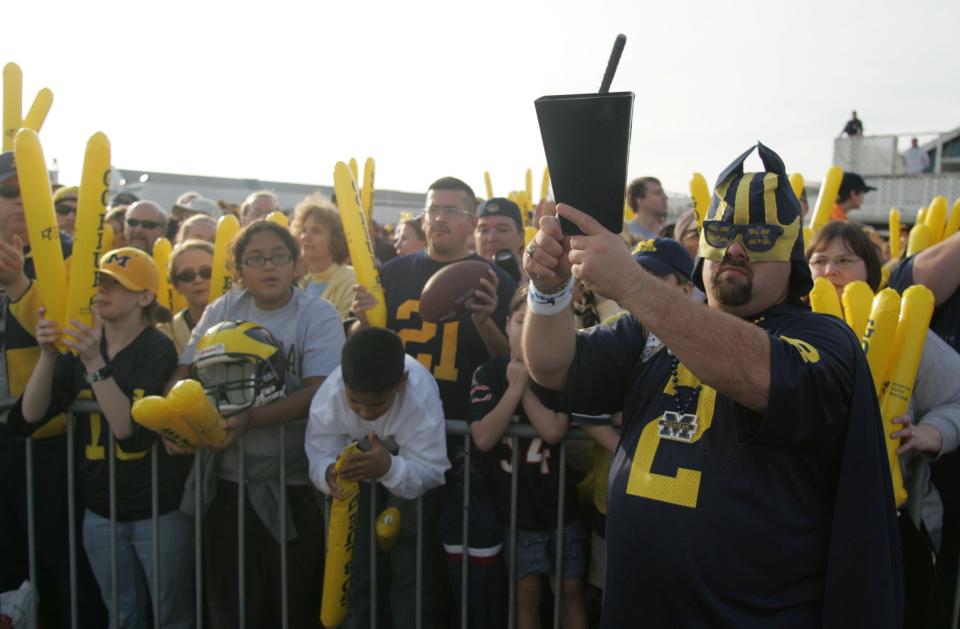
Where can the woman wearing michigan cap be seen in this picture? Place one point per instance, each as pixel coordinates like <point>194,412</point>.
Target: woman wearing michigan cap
<point>117,360</point>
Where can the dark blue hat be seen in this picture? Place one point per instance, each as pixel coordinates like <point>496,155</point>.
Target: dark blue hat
<point>663,256</point>
<point>498,206</point>
<point>8,167</point>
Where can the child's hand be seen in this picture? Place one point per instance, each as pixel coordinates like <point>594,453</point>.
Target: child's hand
<point>369,465</point>
<point>517,374</point>
<point>331,475</point>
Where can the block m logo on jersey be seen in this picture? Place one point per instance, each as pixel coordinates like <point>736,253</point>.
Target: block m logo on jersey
<point>677,427</point>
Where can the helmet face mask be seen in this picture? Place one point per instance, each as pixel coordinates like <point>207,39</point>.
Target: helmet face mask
<point>240,365</point>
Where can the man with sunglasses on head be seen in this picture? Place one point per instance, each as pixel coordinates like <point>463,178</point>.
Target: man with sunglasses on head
<point>19,352</point>
<point>145,222</point>
<point>750,486</point>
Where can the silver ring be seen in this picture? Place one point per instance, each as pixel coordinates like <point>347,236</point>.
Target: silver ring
<point>532,247</point>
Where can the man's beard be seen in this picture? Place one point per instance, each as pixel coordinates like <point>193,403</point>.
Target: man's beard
<point>731,291</point>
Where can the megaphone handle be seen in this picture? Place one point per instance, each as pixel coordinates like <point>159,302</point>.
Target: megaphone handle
<point>612,64</point>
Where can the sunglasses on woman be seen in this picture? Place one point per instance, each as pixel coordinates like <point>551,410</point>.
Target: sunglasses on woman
<point>188,275</point>
<point>10,191</point>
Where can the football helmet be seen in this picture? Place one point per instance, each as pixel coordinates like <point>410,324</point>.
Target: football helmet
<point>240,365</point>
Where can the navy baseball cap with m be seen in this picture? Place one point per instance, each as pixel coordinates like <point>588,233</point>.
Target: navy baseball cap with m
<point>664,256</point>
<point>498,206</point>
<point>8,168</point>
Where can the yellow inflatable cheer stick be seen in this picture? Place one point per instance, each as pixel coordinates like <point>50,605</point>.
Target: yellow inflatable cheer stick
<point>953,225</point>
<point>823,298</point>
<point>220,280</point>
<point>344,514</point>
<point>353,169</point>
<point>936,218</point>
<point>188,400</point>
<point>358,242</point>
<point>827,198</point>
<point>486,182</point>
<point>161,257</point>
<point>919,239</point>
<point>366,193</point>
<point>545,184</point>
<point>915,312</point>
<point>39,110</point>
<point>529,232</point>
<point>857,301</point>
<point>107,237</point>
<point>627,212</point>
<point>90,240</point>
<point>877,339</point>
<point>387,528</point>
<point>796,184</point>
<point>41,226</point>
<point>12,104</point>
<point>524,207</point>
<point>154,412</point>
<point>279,218</point>
<point>528,186</point>
<point>894,238</point>
<point>921,216</point>
<point>700,193</point>
<point>807,235</point>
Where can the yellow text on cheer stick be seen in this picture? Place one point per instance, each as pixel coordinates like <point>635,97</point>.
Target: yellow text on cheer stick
<point>936,218</point>
<point>90,240</point>
<point>341,533</point>
<point>161,257</point>
<point>824,299</point>
<point>358,242</point>
<point>12,103</point>
<point>827,198</point>
<point>41,226</point>
<point>37,114</point>
<point>881,327</point>
<point>221,276</point>
<point>893,225</point>
<point>700,193</point>
<point>366,193</point>
<point>857,301</point>
<point>916,309</point>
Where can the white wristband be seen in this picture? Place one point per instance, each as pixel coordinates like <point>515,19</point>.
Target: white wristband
<point>543,304</point>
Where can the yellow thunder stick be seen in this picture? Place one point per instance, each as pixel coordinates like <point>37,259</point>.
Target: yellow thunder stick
<point>936,218</point>
<point>627,212</point>
<point>488,184</point>
<point>857,301</point>
<point>796,184</point>
<point>179,301</point>
<point>161,257</point>
<point>387,528</point>
<point>358,242</point>
<point>279,218</point>
<point>154,412</point>
<point>220,280</point>
<point>528,188</point>
<point>893,225</point>
<point>877,339</point>
<point>41,226</point>
<point>700,193</point>
<point>919,239</point>
<point>366,193</point>
<point>344,515</point>
<point>353,169</point>
<point>188,400</point>
<point>12,104</point>
<point>39,110</point>
<point>90,240</point>
<point>915,312</point>
<point>529,233</point>
<point>823,298</point>
<point>545,184</point>
<point>107,237</point>
<point>921,216</point>
<point>953,224</point>
<point>827,198</point>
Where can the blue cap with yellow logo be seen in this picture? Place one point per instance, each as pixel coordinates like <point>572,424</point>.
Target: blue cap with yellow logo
<point>663,256</point>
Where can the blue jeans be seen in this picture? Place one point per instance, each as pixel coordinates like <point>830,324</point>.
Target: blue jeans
<point>135,568</point>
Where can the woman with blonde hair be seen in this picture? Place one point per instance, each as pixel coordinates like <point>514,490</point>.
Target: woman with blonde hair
<point>189,270</point>
<point>323,248</point>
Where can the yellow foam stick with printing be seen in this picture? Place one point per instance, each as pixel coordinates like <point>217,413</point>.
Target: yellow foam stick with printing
<point>38,111</point>
<point>488,184</point>
<point>387,528</point>
<point>919,239</point>
<point>161,257</point>
<point>893,225</point>
<point>545,184</point>
<point>916,309</point>
<point>41,226</point>
<point>366,193</point>
<point>188,400</point>
<point>279,218</point>
<point>90,240</point>
<point>936,218</point>
<point>823,298</point>
<point>12,103</point>
<point>341,534</point>
<point>857,301</point>
<point>358,242</point>
<point>700,193</point>
<point>877,340</point>
<point>953,224</point>
<point>154,412</point>
<point>827,198</point>
<point>220,279</point>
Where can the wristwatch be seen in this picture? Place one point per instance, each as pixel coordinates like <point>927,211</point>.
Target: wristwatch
<point>100,374</point>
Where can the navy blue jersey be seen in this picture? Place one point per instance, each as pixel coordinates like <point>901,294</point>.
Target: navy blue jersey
<point>946,318</point>
<point>720,516</point>
<point>450,351</point>
<point>141,368</point>
<point>538,485</point>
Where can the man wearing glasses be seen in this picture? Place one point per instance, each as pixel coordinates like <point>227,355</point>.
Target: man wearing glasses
<point>146,222</point>
<point>65,204</point>
<point>750,486</point>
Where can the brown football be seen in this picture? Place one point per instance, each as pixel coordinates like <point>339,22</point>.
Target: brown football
<point>444,297</point>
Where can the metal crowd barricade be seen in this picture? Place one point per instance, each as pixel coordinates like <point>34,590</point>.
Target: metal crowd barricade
<point>455,429</point>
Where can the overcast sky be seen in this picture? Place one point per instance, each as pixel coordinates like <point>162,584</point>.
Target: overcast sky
<point>282,90</point>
